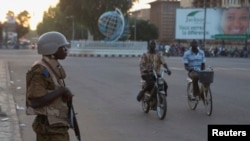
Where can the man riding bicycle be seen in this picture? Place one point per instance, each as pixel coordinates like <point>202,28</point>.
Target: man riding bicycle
<point>194,61</point>
<point>149,61</point>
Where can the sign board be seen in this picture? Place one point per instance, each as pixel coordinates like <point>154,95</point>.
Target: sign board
<point>218,23</point>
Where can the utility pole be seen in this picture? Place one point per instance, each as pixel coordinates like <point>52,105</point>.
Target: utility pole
<point>205,16</point>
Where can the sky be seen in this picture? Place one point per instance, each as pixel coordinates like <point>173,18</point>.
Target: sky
<point>141,4</point>
<point>34,7</point>
<point>37,7</point>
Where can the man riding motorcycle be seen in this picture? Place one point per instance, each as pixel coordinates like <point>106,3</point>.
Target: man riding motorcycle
<point>149,61</point>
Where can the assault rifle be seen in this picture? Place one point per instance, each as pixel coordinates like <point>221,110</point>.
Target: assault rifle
<point>71,114</point>
<point>73,121</point>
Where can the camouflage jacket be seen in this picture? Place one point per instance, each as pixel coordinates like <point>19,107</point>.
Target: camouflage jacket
<point>40,80</point>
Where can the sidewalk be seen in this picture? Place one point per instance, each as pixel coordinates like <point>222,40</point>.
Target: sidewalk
<point>9,124</point>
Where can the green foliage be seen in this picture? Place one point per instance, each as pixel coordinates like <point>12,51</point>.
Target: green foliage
<point>144,30</point>
<point>22,23</point>
<point>81,16</point>
<point>87,12</point>
<point>21,26</point>
<point>1,31</point>
<point>56,20</point>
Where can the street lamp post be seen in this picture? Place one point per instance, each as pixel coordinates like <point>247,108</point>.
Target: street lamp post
<point>133,26</point>
<point>135,30</point>
<point>73,26</point>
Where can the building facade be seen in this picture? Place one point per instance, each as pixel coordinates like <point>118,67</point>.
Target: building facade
<point>186,3</point>
<point>235,3</point>
<point>141,14</point>
<point>220,3</point>
<point>162,14</point>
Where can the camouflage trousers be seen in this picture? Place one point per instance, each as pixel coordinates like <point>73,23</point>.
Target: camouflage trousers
<point>44,132</point>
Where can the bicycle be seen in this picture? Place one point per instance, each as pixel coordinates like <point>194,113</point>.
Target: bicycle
<point>205,79</point>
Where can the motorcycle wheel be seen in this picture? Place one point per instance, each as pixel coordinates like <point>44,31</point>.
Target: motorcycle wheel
<point>145,105</point>
<point>161,107</point>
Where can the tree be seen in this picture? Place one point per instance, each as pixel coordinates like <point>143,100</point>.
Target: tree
<point>88,12</point>
<point>15,27</point>
<point>22,23</point>
<point>144,30</point>
<point>56,20</point>
<point>53,19</point>
<point>1,34</point>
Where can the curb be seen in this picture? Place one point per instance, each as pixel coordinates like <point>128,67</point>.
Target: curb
<point>104,55</point>
<point>10,107</point>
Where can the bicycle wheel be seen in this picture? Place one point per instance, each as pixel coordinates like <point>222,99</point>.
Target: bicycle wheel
<point>191,103</point>
<point>161,106</point>
<point>208,101</point>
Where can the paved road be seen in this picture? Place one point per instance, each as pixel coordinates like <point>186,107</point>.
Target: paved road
<point>105,90</point>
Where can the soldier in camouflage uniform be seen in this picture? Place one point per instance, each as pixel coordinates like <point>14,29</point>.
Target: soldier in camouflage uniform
<point>149,61</point>
<point>46,96</point>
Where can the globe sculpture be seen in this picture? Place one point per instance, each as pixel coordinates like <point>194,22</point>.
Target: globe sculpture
<point>111,24</point>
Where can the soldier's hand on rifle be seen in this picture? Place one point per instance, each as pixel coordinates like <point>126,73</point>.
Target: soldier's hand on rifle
<point>67,95</point>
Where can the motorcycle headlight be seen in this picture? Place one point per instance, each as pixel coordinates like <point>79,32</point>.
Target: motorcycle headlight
<point>160,81</point>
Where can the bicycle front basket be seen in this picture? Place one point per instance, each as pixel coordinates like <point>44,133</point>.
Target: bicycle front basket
<point>206,76</point>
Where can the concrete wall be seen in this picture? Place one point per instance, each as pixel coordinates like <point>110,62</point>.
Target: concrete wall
<point>106,48</point>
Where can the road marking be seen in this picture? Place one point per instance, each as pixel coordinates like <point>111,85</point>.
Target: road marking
<point>175,68</point>
<point>215,69</point>
<point>239,69</point>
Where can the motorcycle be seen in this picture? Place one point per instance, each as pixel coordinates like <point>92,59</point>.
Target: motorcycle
<point>156,98</point>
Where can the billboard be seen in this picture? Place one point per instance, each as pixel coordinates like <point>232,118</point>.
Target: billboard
<point>220,23</point>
